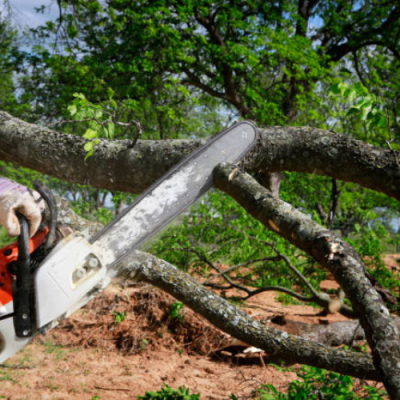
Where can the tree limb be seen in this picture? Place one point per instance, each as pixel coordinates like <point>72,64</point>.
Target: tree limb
<point>331,252</point>
<point>301,149</point>
<point>237,323</point>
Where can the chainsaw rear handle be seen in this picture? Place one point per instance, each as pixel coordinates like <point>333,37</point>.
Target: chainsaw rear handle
<point>51,203</point>
<point>23,284</point>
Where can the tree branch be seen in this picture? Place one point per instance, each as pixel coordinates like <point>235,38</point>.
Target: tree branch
<point>224,315</point>
<point>240,325</point>
<point>301,149</point>
<point>195,81</point>
<point>331,252</point>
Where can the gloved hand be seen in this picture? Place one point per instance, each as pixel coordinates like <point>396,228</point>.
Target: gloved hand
<point>17,198</point>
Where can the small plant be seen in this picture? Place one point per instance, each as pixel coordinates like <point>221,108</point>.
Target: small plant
<point>119,317</point>
<point>144,344</point>
<point>167,393</point>
<point>317,383</point>
<point>176,311</point>
<point>97,397</point>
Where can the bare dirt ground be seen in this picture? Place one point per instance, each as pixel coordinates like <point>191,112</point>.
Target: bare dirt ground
<point>92,355</point>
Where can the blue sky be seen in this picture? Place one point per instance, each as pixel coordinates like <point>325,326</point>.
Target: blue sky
<point>24,12</point>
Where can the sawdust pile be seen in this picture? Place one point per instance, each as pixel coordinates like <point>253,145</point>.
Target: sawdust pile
<point>136,319</point>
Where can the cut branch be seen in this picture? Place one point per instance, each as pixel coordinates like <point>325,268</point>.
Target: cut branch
<point>226,316</point>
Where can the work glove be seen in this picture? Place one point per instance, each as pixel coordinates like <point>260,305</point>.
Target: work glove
<point>16,198</point>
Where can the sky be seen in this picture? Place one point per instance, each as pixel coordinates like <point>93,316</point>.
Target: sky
<point>24,13</point>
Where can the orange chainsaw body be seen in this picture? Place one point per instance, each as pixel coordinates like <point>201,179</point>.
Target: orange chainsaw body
<point>8,254</point>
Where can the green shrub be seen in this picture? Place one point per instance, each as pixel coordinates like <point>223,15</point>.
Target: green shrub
<point>167,393</point>
<point>317,383</point>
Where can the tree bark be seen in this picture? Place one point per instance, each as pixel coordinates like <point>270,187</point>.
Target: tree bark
<point>116,166</point>
<point>336,334</point>
<point>331,252</point>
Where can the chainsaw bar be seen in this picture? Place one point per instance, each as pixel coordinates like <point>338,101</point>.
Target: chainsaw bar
<point>172,194</point>
<point>76,267</point>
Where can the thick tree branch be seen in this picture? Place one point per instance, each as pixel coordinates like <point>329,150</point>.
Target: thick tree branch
<point>237,323</point>
<point>322,152</point>
<point>115,166</point>
<point>332,253</point>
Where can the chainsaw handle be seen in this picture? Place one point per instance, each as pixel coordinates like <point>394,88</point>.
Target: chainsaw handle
<point>51,203</point>
<point>22,288</point>
<point>23,238</point>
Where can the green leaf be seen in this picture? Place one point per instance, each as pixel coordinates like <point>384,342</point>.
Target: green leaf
<point>365,111</point>
<point>79,96</point>
<point>88,146</point>
<point>90,134</point>
<point>353,111</point>
<point>89,153</point>
<point>342,86</point>
<point>352,95</point>
<point>382,122</point>
<point>111,130</point>
<point>361,91</point>
<point>72,109</point>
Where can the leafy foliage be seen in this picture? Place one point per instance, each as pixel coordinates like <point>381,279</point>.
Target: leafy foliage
<point>366,107</point>
<point>316,384</point>
<point>218,231</point>
<point>82,109</point>
<point>167,393</point>
<point>176,311</point>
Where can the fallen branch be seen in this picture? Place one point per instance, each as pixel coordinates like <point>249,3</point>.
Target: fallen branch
<point>332,253</point>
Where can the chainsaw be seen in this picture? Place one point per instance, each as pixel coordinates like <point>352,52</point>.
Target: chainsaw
<point>44,279</point>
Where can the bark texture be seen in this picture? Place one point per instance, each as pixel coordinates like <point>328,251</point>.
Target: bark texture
<point>336,334</point>
<point>332,253</point>
<point>117,166</point>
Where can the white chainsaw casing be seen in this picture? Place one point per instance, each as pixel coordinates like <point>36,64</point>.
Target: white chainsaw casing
<point>68,274</point>
<point>9,342</point>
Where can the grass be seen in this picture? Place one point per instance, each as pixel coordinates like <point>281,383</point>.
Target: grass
<point>6,376</point>
<point>56,349</point>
